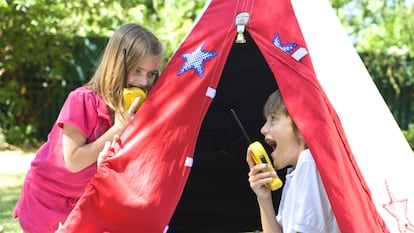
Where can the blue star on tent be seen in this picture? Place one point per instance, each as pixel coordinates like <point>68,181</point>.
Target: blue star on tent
<point>195,60</point>
<point>287,48</point>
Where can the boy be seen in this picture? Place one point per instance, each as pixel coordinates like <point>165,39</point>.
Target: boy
<point>304,205</point>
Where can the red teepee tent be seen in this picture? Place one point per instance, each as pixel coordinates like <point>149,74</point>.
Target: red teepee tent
<point>139,189</point>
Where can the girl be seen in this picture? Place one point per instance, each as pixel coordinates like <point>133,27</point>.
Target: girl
<point>91,115</point>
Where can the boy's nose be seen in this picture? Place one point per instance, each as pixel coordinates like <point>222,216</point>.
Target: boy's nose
<point>263,130</point>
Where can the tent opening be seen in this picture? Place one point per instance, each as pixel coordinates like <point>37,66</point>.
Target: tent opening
<point>217,196</point>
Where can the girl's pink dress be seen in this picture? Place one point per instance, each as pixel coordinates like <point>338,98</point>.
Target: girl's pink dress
<point>50,190</point>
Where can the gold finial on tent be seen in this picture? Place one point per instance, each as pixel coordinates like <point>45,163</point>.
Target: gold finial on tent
<point>241,21</point>
<point>240,38</point>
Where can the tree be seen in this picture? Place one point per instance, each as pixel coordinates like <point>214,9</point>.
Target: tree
<point>380,31</point>
<point>38,43</point>
<point>43,41</point>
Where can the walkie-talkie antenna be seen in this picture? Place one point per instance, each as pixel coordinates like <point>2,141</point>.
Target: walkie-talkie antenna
<point>241,126</point>
<point>125,69</point>
<point>259,155</point>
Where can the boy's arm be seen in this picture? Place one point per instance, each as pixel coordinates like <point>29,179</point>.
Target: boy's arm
<point>268,217</point>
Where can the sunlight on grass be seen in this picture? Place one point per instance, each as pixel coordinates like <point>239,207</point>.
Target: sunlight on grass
<point>10,185</point>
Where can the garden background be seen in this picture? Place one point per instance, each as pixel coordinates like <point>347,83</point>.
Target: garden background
<point>49,47</point>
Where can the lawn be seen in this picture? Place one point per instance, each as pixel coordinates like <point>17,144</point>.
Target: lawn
<point>10,184</point>
<point>10,187</point>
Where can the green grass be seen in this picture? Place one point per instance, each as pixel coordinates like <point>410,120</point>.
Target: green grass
<point>10,185</point>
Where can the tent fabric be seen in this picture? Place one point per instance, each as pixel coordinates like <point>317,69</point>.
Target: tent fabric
<point>316,119</point>
<point>138,189</point>
<point>217,196</point>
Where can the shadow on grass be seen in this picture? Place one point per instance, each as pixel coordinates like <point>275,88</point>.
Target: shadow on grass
<point>10,186</point>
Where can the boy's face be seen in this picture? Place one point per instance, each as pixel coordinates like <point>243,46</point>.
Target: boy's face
<point>285,141</point>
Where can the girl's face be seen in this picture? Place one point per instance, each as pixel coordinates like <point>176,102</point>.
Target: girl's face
<point>285,141</point>
<point>145,73</point>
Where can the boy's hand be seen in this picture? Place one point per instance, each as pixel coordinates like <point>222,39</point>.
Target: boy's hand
<point>258,179</point>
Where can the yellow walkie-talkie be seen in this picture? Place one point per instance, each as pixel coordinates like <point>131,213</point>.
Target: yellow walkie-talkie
<point>131,93</point>
<point>259,155</point>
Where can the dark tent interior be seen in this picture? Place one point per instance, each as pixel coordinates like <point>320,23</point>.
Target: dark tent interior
<point>217,196</point>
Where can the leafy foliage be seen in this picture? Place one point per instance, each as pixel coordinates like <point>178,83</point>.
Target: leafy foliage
<point>380,31</point>
<point>409,135</point>
<point>38,55</point>
<point>48,47</point>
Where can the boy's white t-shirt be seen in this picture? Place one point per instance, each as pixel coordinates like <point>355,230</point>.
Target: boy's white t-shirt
<point>304,205</point>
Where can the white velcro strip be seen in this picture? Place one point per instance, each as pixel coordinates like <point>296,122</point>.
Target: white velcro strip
<point>211,92</point>
<point>189,162</point>
<point>300,53</point>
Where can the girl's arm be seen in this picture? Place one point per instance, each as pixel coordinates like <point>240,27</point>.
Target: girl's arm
<point>77,154</point>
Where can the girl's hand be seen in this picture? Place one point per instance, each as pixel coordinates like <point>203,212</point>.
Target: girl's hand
<point>121,122</point>
<point>257,178</point>
<point>60,225</point>
<point>108,151</point>
<point>134,105</point>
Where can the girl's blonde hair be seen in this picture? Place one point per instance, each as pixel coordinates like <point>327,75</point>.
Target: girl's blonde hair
<point>108,80</point>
